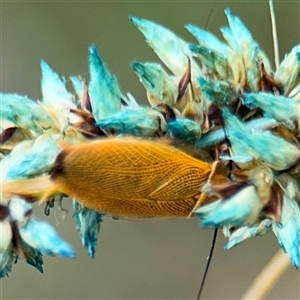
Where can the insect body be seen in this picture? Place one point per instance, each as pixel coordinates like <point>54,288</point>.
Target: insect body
<point>127,177</point>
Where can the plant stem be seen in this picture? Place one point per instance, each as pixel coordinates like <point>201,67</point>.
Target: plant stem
<point>268,277</point>
<point>274,34</point>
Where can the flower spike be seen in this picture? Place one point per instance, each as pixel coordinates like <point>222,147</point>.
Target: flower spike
<point>219,140</point>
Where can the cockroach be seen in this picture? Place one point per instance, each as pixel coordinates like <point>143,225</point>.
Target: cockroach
<point>122,177</point>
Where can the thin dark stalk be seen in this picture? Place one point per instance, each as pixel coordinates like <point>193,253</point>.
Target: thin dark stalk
<point>212,247</point>
<point>209,18</point>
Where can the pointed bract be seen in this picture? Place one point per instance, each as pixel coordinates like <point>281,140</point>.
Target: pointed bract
<point>295,93</point>
<point>220,92</point>
<point>281,108</point>
<point>26,113</point>
<point>245,233</point>
<point>30,158</point>
<point>78,86</point>
<point>6,254</point>
<point>263,146</point>
<point>160,87</point>
<point>19,209</point>
<point>57,101</point>
<point>32,255</point>
<point>171,49</point>
<point>88,223</point>
<point>104,90</point>
<point>207,39</point>
<point>216,136</point>
<point>241,41</point>
<point>138,122</point>
<point>288,73</point>
<point>184,130</point>
<point>215,62</point>
<point>42,236</point>
<point>287,230</point>
<point>241,209</point>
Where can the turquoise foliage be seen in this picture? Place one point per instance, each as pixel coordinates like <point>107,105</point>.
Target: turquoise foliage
<point>287,229</point>
<point>171,49</point>
<point>281,108</point>
<point>159,85</point>
<point>24,112</point>
<point>78,86</point>
<point>221,96</point>
<point>138,121</point>
<point>239,210</point>
<point>38,234</point>
<point>103,88</point>
<point>7,260</point>
<point>88,223</point>
<point>245,233</point>
<point>220,92</point>
<point>42,236</point>
<point>53,89</point>
<point>6,253</point>
<point>184,130</point>
<point>262,146</point>
<point>34,238</point>
<point>218,135</point>
<point>29,158</point>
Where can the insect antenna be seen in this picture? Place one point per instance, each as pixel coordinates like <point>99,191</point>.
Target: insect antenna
<point>212,247</point>
<point>227,141</point>
<point>209,18</point>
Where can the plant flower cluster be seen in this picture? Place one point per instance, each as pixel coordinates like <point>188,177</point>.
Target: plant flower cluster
<point>222,97</point>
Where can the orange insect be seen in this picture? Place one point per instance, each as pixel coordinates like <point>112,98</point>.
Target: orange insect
<point>123,177</point>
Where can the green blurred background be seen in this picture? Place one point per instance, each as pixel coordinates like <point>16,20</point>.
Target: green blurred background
<point>135,259</point>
